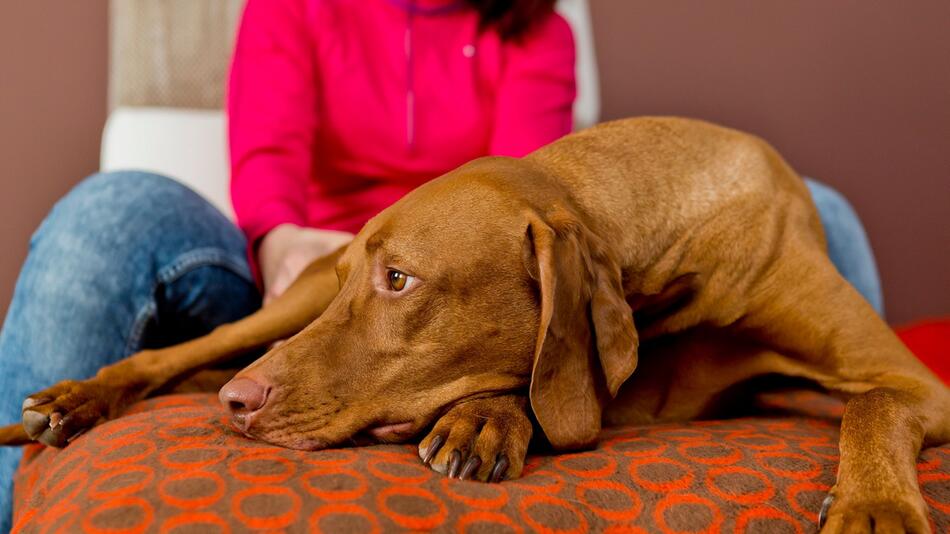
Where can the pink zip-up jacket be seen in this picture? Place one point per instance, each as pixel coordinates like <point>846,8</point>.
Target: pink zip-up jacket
<point>337,108</point>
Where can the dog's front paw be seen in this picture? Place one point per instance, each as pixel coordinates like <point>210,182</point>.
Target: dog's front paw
<point>57,415</point>
<point>481,439</point>
<point>861,511</point>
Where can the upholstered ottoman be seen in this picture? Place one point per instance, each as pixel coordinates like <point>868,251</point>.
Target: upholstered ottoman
<point>174,464</point>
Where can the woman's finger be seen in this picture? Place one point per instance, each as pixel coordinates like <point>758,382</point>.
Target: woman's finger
<point>277,287</point>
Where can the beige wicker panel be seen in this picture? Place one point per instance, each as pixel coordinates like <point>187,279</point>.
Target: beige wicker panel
<point>171,52</point>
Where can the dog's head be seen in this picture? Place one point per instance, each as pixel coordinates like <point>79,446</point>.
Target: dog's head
<point>479,283</point>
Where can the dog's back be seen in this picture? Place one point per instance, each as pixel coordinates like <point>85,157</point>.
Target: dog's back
<point>664,177</point>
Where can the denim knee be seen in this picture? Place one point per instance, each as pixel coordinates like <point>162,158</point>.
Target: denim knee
<point>848,245</point>
<point>117,187</point>
<point>125,215</point>
<point>100,200</point>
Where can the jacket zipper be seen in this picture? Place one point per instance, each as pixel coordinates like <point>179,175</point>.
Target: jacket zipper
<point>410,84</point>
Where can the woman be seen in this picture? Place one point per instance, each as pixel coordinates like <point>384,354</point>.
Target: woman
<point>400,91</point>
<point>337,109</point>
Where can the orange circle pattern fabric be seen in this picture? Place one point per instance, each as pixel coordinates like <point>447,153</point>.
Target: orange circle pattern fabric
<point>174,465</point>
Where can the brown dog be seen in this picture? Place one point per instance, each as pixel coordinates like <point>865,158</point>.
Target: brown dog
<point>685,251</point>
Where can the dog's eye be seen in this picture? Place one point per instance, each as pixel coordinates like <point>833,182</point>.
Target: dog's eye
<point>398,280</point>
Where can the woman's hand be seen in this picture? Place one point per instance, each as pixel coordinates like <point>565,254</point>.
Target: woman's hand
<point>287,250</point>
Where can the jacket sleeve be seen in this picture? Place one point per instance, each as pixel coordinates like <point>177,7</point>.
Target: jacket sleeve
<point>272,116</point>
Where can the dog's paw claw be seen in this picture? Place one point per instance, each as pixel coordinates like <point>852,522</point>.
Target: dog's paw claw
<point>428,453</point>
<point>455,462</point>
<point>470,467</point>
<point>823,513</point>
<point>60,414</point>
<point>500,469</point>
<point>482,439</point>
<point>30,402</point>
<point>35,423</point>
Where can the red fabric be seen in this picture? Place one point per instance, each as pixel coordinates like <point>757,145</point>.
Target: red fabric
<point>930,341</point>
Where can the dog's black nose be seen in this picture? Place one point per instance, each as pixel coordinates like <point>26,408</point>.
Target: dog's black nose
<point>243,396</point>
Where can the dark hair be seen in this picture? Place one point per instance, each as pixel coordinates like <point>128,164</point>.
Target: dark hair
<point>510,18</point>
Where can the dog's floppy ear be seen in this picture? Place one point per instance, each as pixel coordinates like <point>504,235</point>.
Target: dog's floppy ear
<point>587,344</point>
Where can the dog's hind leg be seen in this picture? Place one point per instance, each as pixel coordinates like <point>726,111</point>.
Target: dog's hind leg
<point>57,414</point>
<point>808,312</point>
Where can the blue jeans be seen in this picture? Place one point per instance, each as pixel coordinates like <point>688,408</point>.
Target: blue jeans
<point>125,261</point>
<point>848,245</point>
<point>130,260</point>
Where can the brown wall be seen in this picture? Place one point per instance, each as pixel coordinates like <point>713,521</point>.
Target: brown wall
<point>854,93</point>
<point>53,59</point>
